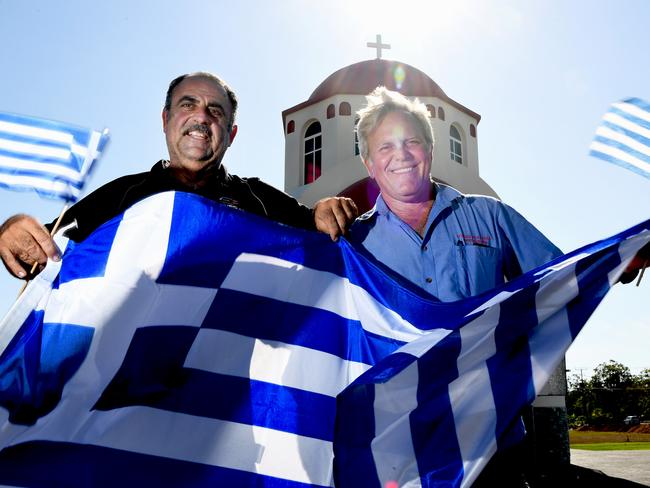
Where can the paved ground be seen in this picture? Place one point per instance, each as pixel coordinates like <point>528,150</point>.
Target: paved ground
<point>629,465</point>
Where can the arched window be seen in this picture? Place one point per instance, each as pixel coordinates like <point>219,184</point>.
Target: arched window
<point>432,111</point>
<point>441,113</point>
<point>455,145</point>
<point>313,151</point>
<point>345,109</point>
<point>330,111</point>
<point>472,130</point>
<point>291,126</point>
<point>356,137</point>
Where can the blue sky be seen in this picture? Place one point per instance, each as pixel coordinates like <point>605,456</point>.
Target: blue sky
<point>541,74</point>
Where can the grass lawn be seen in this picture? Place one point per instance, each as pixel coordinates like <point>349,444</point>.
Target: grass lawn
<point>613,446</point>
<point>609,441</point>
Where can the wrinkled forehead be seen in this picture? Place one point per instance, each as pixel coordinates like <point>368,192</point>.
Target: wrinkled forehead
<point>398,123</point>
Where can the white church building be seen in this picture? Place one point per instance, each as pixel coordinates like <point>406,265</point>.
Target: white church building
<point>321,151</point>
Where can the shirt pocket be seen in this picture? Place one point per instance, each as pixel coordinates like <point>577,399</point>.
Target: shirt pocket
<point>479,268</point>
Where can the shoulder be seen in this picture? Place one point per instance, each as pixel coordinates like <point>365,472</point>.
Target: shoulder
<point>252,181</point>
<point>127,181</point>
<point>362,226</point>
<point>365,218</point>
<point>116,188</point>
<point>477,203</point>
<point>257,186</point>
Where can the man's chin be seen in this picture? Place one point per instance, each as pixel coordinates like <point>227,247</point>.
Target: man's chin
<point>198,166</point>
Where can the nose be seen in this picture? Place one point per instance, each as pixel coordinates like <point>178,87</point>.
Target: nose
<point>201,115</point>
<point>402,152</point>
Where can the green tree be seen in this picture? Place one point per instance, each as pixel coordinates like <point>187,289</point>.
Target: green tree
<point>612,384</point>
<point>643,385</point>
<point>612,393</point>
<point>581,401</point>
<point>611,375</point>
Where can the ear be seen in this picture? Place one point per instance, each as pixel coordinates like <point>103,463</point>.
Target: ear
<point>369,167</point>
<point>164,120</point>
<point>233,133</point>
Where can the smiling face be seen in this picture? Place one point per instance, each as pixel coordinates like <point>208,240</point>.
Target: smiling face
<point>399,159</point>
<point>196,129</point>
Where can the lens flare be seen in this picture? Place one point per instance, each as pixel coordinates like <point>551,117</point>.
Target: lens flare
<point>399,74</point>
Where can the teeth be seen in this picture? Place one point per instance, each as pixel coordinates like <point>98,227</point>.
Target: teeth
<point>196,133</point>
<point>403,170</point>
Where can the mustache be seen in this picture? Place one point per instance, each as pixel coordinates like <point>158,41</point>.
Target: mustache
<point>198,127</point>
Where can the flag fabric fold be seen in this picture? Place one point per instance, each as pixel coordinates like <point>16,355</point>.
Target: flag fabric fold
<point>188,344</point>
<point>623,138</point>
<point>51,158</point>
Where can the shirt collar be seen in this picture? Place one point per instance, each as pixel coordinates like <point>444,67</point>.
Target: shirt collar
<point>445,196</point>
<point>160,170</point>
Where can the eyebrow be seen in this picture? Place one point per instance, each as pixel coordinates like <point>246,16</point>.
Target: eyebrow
<point>190,98</point>
<point>186,98</point>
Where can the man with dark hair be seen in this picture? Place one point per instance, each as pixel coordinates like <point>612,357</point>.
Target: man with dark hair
<point>234,102</point>
<point>199,124</point>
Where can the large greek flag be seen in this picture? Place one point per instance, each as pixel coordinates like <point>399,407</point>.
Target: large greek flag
<point>51,158</point>
<point>623,137</point>
<point>188,344</point>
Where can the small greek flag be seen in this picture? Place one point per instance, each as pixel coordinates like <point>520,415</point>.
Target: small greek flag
<point>48,157</point>
<point>623,138</point>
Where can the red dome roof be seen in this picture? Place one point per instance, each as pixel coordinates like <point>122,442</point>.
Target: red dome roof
<point>361,78</point>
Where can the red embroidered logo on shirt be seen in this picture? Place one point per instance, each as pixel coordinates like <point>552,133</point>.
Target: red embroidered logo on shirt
<point>474,240</point>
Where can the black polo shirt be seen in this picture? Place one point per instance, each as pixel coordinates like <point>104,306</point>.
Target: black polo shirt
<point>249,194</point>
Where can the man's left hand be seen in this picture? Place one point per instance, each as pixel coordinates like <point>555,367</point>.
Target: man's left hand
<point>334,215</point>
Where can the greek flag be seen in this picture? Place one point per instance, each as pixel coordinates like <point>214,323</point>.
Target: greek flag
<point>51,158</point>
<point>185,343</point>
<point>623,138</point>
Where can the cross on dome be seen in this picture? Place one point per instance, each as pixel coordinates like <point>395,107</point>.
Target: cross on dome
<point>378,45</point>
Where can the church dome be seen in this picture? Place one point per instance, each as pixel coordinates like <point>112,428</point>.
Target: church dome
<point>363,77</point>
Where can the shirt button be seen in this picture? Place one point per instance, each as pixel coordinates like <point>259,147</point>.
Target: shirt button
<point>425,247</point>
<point>428,280</point>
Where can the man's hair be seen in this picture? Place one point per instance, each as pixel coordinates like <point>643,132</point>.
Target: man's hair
<point>231,94</point>
<point>380,103</point>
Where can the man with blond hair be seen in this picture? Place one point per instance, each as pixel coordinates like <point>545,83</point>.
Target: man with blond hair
<point>450,245</point>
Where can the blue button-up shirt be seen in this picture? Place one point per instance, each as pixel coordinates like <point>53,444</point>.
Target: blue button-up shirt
<point>471,244</point>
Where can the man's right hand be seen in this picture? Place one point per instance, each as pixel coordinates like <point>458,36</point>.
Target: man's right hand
<point>23,242</point>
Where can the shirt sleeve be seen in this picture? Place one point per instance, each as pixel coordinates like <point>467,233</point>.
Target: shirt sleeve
<point>526,248</point>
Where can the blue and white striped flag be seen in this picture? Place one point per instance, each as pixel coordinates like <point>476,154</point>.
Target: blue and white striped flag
<point>51,158</point>
<point>623,138</point>
<point>188,344</point>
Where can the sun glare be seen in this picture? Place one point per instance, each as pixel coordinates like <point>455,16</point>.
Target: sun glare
<point>406,20</point>
<point>418,23</point>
